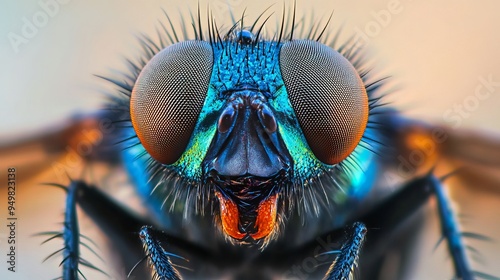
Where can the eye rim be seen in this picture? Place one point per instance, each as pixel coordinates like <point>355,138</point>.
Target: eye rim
<point>328,155</point>
<point>201,62</point>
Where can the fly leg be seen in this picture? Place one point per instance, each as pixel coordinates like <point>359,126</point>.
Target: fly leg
<point>159,258</point>
<point>406,201</point>
<point>348,255</point>
<point>72,238</point>
<point>124,228</point>
<point>451,232</point>
<point>120,225</point>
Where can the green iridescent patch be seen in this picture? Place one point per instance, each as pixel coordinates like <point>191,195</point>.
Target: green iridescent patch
<point>189,164</point>
<point>306,165</point>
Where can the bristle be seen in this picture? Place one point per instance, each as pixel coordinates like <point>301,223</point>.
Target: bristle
<point>324,28</point>
<point>209,27</point>
<point>282,25</point>
<point>172,29</point>
<point>314,30</point>
<point>257,37</point>
<point>293,20</point>
<point>200,30</point>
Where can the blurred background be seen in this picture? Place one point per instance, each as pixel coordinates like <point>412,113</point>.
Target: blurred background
<point>443,56</point>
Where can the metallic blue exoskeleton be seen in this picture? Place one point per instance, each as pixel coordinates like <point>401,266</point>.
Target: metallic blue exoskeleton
<point>249,148</point>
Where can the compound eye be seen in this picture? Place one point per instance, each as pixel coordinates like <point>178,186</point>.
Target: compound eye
<point>328,97</point>
<point>168,96</point>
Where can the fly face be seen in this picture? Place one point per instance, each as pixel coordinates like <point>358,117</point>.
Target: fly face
<point>249,122</point>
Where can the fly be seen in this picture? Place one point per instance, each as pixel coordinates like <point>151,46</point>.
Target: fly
<point>247,147</point>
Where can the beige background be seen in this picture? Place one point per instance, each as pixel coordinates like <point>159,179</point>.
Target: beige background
<point>436,52</point>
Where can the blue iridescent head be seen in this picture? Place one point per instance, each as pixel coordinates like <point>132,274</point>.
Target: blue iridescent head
<point>252,124</point>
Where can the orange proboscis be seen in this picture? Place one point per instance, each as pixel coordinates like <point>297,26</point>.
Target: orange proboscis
<point>229,216</point>
<point>266,217</point>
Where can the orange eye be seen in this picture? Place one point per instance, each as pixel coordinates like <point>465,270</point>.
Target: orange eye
<point>168,96</point>
<point>328,97</point>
